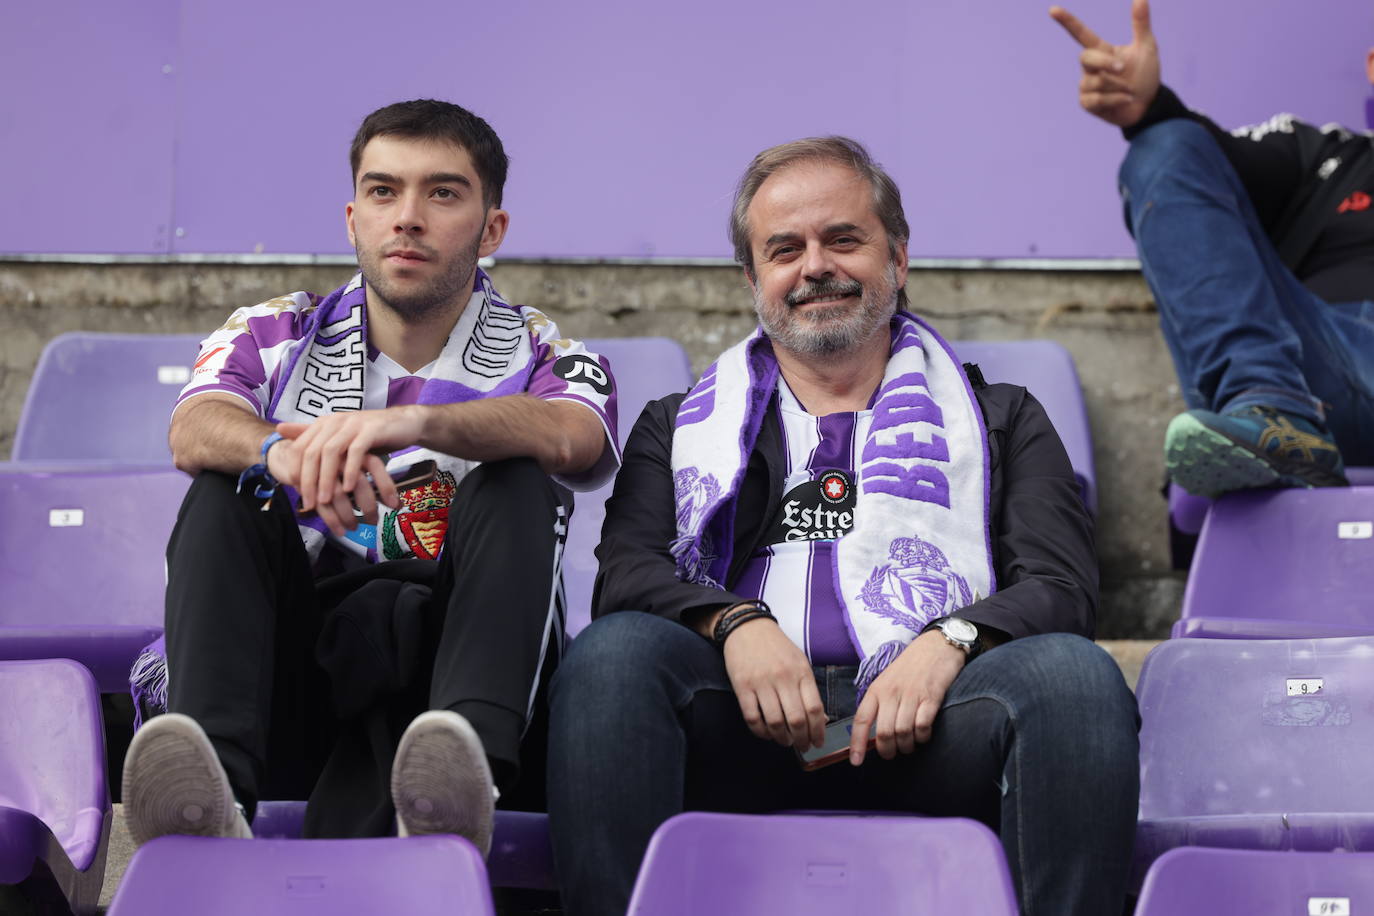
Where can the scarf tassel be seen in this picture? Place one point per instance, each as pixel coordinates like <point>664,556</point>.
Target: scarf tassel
<point>876,663</point>
<point>692,564</point>
<point>148,684</point>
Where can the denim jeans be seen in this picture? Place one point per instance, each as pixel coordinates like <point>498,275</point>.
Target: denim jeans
<point>1036,739</point>
<point>1241,328</point>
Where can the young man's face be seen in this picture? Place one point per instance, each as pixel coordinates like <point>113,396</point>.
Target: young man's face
<point>419,225</point>
<point>825,279</point>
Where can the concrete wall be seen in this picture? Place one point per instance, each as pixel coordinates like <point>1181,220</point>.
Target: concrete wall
<point>1106,319</point>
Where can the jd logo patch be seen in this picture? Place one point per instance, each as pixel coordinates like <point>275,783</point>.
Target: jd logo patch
<point>583,369</point>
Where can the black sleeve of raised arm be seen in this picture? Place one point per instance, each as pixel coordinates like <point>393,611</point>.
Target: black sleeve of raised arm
<point>1267,157</point>
<point>1043,536</point>
<point>637,572</point>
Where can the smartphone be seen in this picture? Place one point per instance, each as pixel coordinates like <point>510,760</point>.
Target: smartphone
<point>414,475</point>
<point>835,748</point>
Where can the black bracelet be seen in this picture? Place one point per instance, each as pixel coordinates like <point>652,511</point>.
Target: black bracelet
<point>741,613</point>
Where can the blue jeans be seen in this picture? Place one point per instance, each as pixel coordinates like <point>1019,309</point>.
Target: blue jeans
<point>1241,328</point>
<point>1036,738</point>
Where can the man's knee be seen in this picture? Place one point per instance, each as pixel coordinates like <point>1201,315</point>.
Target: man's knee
<point>1066,679</point>
<point>1163,148</point>
<point>618,652</point>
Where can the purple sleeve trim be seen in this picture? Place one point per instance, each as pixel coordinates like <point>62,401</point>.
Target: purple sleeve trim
<point>253,403</point>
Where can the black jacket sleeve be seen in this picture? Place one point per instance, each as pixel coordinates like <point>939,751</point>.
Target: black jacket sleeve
<point>1042,534</point>
<point>1269,157</point>
<point>636,571</point>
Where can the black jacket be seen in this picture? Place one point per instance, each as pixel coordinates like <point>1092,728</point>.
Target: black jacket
<point>1312,189</point>
<point>1042,535</point>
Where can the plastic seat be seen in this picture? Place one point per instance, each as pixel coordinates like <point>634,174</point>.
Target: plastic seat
<point>1187,513</point>
<point>418,876</point>
<point>1256,744</point>
<point>104,397</point>
<point>81,562</point>
<point>54,807</point>
<point>745,865</point>
<point>521,852</point>
<point>1195,880</point>
<point>1283,564</point>
<point>1047,370</point>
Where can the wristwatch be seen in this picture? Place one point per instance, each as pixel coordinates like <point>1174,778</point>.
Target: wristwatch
<point>960,633</point>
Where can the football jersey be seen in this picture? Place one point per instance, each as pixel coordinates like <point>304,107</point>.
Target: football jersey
<point>793,569</point>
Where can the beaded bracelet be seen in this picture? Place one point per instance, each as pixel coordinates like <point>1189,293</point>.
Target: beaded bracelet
<point>739,614</point>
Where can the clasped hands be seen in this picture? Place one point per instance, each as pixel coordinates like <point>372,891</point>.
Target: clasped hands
<point>333,462</point>
<point>777,692</point>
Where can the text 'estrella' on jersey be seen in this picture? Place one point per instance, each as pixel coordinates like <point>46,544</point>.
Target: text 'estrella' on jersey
<point>814,510</point>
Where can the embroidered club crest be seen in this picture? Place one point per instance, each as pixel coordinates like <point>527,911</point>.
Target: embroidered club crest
<point>916,587</point>
<point>422,519</point>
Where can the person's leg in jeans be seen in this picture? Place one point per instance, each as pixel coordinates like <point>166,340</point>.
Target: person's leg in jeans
<point>645,725</point>
<point>1254,350</point>
<point>1037,739</point>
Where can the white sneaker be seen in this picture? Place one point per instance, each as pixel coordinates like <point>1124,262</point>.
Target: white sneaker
<point>174,783</point>
<point>440,780</point>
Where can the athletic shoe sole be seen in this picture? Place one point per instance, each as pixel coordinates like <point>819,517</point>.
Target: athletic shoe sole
<point>1208,462</point>
<point>174,784</point>
<point>440,780</point>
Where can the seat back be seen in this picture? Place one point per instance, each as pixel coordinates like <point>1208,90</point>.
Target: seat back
<point>1283,564</point>
<point>52,754</point>
<point>1258,883</point>
<point>419,876</point>
<point>81,559</point>
<point>732,865</point>
<point>104,397</point>
<point>1243,727</point>
<point>1047,370</point>
<point>645,368</point>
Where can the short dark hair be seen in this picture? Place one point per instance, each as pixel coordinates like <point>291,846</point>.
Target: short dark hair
<point>887,199</point>
<point>427,119</point>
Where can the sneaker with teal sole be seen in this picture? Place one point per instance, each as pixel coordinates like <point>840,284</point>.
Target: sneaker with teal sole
<point>1253,447</point>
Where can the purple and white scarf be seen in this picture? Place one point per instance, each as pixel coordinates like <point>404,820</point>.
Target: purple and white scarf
<point>920,547</point>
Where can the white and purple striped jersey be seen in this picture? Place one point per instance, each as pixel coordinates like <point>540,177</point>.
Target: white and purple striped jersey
<point>793,570</point>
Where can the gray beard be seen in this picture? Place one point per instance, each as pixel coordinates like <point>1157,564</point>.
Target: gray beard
<point>832,329</point>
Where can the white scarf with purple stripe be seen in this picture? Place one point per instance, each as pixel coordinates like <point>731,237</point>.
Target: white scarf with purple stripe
<point>490,352</point>
<point>920,547</point>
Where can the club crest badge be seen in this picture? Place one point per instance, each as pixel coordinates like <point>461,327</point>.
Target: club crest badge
<point>422,519</point>
<point>916,587</point>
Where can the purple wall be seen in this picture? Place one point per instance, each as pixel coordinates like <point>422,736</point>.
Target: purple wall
<point>190,126</point>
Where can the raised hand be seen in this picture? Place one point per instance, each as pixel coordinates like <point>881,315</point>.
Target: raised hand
<point>1119,81</point>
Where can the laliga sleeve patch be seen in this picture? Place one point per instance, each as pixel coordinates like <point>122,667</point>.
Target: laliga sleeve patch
<point>583,370</point>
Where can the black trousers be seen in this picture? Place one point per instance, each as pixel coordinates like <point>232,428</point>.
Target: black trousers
<point>305,686</point>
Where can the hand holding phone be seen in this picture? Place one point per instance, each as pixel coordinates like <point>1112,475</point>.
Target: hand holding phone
<point>834,749</point>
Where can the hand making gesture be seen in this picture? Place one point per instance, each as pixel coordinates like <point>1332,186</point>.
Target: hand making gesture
<point>1119,81</point>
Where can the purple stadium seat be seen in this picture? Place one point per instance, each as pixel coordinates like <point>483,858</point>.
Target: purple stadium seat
<point>1283,564</point>
<point>1195,880</point>
<point>1046,369</point>
<point>1187,513</point>
<point>54,807</point>
<point>418,876</point>
<point>1256,744</point>
<point>734,864</point>
<point>81,562</point>
<point>646,368</point>
<point>104,397</point>
<point>521,854</point>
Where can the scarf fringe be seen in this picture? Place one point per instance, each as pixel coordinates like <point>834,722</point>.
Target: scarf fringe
<point>874,665</point>
<point>148,683</point>
<point>692,562</point>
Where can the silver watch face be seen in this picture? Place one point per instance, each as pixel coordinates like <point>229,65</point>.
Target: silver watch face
<point>960,629</point>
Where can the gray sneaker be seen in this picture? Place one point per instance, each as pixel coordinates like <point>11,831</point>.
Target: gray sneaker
<point>174,784</point>
<point>440,780</point>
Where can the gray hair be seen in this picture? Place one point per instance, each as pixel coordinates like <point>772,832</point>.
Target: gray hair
<point>887,200</point>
